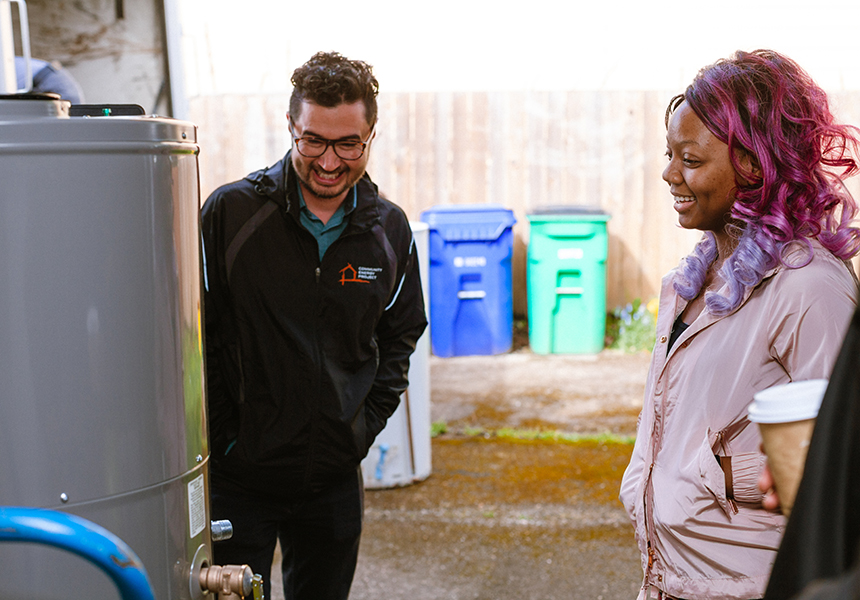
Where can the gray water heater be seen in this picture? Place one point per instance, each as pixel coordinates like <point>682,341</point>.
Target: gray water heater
<point>102,410</point>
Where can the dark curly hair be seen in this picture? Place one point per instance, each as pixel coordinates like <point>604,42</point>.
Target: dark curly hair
<point>765,106</point>
<point>329,79</point>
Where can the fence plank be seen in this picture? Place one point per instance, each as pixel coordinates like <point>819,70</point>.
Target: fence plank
<point>518,149</point>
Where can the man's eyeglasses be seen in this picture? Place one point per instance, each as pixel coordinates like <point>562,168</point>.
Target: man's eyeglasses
<point>314,147</point>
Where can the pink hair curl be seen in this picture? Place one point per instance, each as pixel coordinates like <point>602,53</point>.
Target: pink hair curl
<point>768,109</point>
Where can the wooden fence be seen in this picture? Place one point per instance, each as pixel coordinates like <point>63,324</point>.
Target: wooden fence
<point>518,149</point>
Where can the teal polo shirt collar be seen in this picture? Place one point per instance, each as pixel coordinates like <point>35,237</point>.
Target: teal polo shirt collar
<point>326,233</point>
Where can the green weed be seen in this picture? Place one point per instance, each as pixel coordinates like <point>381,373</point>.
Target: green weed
<point>632,328</point>
<point>552,435</point>
<point>438,428</point>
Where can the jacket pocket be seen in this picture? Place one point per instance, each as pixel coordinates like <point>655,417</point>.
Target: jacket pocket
<point>713,477</point>
<point>359,434</point>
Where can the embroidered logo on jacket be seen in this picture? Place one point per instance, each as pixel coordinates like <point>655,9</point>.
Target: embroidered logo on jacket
<point>350,274</point>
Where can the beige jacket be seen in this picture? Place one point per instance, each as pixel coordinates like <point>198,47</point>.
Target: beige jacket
<point>697,543</point>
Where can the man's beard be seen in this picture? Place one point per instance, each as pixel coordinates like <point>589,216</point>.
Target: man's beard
<point>328,192</point>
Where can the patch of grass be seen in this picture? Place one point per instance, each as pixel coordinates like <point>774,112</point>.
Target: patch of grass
<point>510,433</point>
<point>438,428</point>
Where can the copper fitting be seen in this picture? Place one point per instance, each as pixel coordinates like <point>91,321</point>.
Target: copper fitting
<point>228,581</point>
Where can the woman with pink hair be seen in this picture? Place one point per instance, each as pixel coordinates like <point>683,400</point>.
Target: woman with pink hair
<point>756,162</point>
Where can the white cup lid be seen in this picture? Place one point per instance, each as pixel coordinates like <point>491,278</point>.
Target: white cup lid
<point>795,401</point>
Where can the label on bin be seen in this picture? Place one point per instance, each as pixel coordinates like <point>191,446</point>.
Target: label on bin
<point>470,261</point>
<point>566,253</point>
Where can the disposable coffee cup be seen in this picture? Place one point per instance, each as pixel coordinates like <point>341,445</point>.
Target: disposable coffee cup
<point>785,415</point>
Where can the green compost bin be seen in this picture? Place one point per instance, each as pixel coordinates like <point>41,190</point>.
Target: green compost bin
<point>567,279</point>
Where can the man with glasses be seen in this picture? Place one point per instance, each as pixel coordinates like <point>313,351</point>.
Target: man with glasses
<point>313,306</point>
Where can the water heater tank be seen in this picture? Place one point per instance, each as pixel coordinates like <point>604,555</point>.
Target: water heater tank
<point>102,410</point>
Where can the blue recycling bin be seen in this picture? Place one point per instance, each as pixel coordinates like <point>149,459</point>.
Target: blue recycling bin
<point>471,295</point>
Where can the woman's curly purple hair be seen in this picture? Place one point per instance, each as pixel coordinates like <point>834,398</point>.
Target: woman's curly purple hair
<point>766,108</point>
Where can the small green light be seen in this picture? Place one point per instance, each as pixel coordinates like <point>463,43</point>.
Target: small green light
<point>106,112</point>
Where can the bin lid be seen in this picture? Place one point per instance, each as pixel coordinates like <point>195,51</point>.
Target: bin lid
<point>568,212</point>
<point>467,222</point>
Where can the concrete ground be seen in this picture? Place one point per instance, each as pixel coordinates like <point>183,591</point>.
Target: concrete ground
<point>506,519</point>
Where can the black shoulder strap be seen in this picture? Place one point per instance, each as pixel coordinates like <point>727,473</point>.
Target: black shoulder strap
<point>246,231</point>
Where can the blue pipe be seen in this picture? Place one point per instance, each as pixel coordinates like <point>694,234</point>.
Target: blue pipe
<point>84,538</point>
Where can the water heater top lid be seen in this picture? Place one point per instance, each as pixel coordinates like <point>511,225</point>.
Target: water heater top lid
<point>32,106</point>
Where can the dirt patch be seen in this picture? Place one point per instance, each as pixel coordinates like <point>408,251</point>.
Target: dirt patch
<point>428,560</point>
<point>582,394</point>
<point>480,474</point>
<point>503,520</point>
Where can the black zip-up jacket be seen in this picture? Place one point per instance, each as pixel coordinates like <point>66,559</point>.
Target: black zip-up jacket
<point>306,359</point>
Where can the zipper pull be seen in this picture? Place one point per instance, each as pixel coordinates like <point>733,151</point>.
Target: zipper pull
<point>317,274</point>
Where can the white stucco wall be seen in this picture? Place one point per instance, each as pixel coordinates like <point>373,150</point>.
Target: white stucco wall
<point>117,58</point>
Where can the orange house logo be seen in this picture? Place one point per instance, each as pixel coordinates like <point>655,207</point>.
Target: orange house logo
<point>348,274</point>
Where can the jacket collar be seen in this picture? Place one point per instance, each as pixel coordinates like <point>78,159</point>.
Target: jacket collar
<point>795,253</point>
<point>278,183</point>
